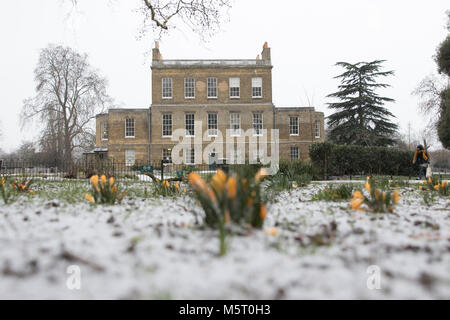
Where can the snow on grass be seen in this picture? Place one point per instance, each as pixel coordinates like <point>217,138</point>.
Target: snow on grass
<point>155,248</point>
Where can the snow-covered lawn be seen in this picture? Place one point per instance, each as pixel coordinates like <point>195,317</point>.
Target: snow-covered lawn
<point>149,248</point>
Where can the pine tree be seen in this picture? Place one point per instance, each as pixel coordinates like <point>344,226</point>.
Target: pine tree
<point>360,117</point>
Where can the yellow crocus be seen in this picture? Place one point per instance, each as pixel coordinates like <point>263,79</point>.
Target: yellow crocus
<point>166,184</point>
<point>31,192</point>
<point>384,196</point>
<point>356,194</point>
<point>367,186</point>
<point>429,180</point>
<point>103,181</point>
<point>94,181</point>
<point>111,181</point>
<point>377,194</point>
<point>262,211</point>
<point>218,181</point>
<point>272,231</point>
<point>261,174</point>
<point>437,187</point>
<point>89,198</point>
<point>231,188</point>
<point>249,202</point>
<point>356,203</point>
<point>197,182</point>
<point>212,195</point>
<point>3,181</point>
<point>395,197</point>
<point>177,186</point>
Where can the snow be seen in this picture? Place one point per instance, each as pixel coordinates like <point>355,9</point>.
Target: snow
<point>153,249</point>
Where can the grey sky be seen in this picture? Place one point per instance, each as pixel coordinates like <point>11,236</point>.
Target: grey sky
<point>307,38</point>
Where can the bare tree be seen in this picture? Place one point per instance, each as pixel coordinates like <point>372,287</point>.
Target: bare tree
<point>429,91</point>
<point>203,17</point>
<point>69,93</point>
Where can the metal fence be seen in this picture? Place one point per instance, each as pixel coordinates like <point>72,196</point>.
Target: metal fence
<point>119,170</point>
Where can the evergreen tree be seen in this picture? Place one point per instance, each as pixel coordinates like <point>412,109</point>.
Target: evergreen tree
<point>360,117</point>
<point>443,125</point>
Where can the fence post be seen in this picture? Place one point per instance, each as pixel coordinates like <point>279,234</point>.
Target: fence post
<point>162,170</point>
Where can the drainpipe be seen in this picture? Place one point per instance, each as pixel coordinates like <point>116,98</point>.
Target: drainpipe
<point>149,119</point>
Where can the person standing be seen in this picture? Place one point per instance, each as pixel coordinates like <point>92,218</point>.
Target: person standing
<point>422,158</point>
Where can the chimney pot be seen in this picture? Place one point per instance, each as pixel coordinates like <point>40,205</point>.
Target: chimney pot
<point>266,45</point>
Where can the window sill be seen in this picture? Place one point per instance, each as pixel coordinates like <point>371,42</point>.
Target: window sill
<point>212,98</point>
<point>167,98</point>
<point>294,135</point>
<point>104,139</point>
<point>235,98</point>
<point>168,137</point>
<point>189,98</point>
<point>130,137</point>
<point>257,97</point>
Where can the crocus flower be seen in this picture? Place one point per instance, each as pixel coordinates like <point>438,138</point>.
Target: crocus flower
<point>231,188</point>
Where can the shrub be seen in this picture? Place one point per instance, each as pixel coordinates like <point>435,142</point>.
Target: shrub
<point>104,191</point>
<point>336,160</point>
<point>377,201</point>
<point>296,169</point>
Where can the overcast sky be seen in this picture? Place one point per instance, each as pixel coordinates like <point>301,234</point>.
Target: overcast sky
<point>307,38</point>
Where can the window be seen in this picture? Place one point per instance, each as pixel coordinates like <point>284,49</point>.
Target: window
<point>257,87</point>
<point>293,126</point>
<point>104,131</point>
<point>257,124</point>
<point>129,128</point>
<point>189,88</point>
<point>189,121</point>
<point>129,158</point>
<point>167,125</point>
<point>167,88</point>
<point>294,153</point>
<point>235,124</point>
<point>190,156</point>
<point>234,87</point>
<point>212,124</point>
<point>317,129</point>
<point>212,88</point>
<point>167,155</point>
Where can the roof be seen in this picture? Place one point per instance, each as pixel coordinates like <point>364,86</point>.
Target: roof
<point>221,63</point>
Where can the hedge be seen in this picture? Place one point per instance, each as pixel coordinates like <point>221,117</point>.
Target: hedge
<point>337,160</point>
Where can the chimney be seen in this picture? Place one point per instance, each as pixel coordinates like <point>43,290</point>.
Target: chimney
<point>266,52</point>
<point>156,54</point>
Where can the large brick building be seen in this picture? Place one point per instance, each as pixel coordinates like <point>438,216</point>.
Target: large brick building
<point>224,101</point>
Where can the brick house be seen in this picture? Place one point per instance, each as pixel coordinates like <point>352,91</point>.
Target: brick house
<point>220,100</point>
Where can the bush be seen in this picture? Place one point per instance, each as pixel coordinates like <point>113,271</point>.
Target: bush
<point>296,169</point>
<point>337,160</point>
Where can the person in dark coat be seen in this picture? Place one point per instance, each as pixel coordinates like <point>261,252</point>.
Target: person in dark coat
<point>422,158</point>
